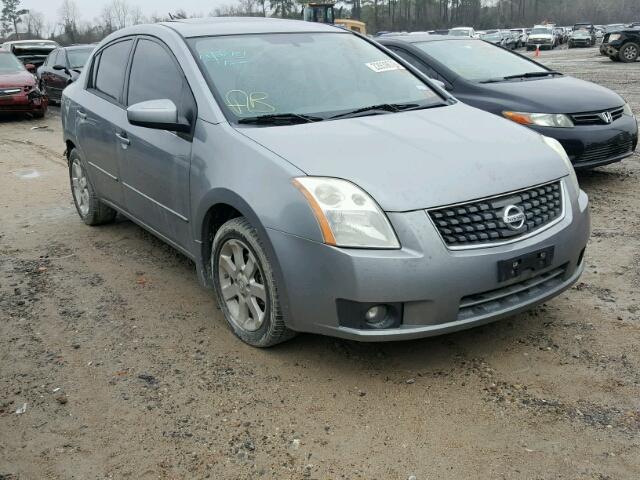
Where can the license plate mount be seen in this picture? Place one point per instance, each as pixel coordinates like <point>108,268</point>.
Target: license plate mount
<point>517,266</point>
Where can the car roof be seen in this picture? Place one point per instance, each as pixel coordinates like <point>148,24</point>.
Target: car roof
<point>14,42</point>
<point>427,38</point>
<point>79,47</point>
<point>201,27</point>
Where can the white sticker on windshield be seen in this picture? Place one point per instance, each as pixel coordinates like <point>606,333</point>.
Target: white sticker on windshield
<point>384,66</point>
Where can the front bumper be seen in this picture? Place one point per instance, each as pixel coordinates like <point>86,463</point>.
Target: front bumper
<point>32,101</point>
<point>580,43</point>
<point>434,285</point>
<point>590,146</point>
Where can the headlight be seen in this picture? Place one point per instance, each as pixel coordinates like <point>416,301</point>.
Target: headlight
<point>558,120</point>
<point>614,36</point>
<point>627,110</point>
<point>559,149</point>
<point>348,217</point>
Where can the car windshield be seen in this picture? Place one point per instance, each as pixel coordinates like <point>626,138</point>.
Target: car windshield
<point>492,36</point>
<point>459,33</point>
<point>540,31</point>
<point>311,74</point>
<point>10,64</point>
<point>78,57</point>
<point>478,61</point>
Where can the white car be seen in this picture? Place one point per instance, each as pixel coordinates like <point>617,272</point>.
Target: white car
<point>463,32</point>
<point>543,36</point>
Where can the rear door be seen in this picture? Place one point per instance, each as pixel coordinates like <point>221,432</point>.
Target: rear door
<point>99,117</point>
<point>45,71</point>
<point>155,163</point>
<point>59,78</point>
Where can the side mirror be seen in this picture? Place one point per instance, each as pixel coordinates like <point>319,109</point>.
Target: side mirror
<point>30,67</point>
<point>157,114</point>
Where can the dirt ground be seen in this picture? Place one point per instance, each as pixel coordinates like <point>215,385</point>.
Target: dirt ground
<point>125,368</point>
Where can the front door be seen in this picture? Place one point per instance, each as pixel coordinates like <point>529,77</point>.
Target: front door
<point>154,163</point>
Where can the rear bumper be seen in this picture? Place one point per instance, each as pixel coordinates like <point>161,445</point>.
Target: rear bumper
<point>438,290</point>
<point>589,146</point>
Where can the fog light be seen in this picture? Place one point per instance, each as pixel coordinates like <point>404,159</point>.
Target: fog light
<point>378,317</point>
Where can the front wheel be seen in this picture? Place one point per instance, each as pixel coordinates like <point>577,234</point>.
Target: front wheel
<point>91,210</point>
<point>629,52</point>
<point>245,285</point>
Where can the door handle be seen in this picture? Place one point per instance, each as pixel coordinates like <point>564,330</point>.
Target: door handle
<point>123,138</point>
<point>82,115</point>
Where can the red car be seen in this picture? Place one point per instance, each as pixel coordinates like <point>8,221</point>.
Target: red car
<point>19,91</point>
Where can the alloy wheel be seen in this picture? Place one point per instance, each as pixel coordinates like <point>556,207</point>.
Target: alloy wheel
<point>630,52</point>
<point>242,285</point>
<point>80,187</point>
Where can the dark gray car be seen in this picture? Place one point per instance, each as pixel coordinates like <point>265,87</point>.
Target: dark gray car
<point>340,194</point>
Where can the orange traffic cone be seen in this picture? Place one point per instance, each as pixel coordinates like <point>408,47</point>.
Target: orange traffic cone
<point>537,50</point>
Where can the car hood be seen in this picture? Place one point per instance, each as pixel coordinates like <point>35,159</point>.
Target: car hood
<point>548,95</point>
<point>420,159</point>
<point>18,79</point>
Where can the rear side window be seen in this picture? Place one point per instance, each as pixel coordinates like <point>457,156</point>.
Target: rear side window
<point>111,67</point>
<point>155,75</point>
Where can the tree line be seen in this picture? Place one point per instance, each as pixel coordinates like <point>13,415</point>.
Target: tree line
<point>69,27</point>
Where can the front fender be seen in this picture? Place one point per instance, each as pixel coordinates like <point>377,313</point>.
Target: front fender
<point>225,196</point>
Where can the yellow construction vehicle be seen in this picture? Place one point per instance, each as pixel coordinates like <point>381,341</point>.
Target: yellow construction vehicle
<point>324,12</point>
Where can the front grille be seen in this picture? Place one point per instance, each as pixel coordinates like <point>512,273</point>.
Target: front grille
<point>604,152</point>
<point>495,301</point>
<point>596,118</point>
<point>480,222</point>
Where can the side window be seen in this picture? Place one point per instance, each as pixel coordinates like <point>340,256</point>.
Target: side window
<point>49,61</point>
<point>94,70</point>
<point>155,75</point>
<point>109,74</point>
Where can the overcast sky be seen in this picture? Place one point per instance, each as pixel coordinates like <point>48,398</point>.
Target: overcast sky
<point>89,9</point>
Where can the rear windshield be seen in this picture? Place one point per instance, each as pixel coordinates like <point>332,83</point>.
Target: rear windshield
<point>78,57</point>
<point>538,31</point>
<point>317,74</point>
<point>459,33</point>
<point>478,61</point>
<point>10,64</point>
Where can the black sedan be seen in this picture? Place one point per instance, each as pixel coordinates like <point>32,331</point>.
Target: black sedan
<point>594,125</point>
<point>62,67</point>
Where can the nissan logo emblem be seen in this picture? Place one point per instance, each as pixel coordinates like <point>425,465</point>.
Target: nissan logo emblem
<point>514,217</point>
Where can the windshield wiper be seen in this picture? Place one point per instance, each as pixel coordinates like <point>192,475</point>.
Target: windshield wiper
<point>522,75</point>
<point>381,108</point>
<point>280,119</point>
<point>532,75</point>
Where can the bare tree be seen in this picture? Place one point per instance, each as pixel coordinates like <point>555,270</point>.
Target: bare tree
<point>35,24</point>
<point>121,13</point>
<point>136,16</point>
<point>69,16</point>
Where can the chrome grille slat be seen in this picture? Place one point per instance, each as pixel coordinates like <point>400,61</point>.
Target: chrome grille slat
<point>594,118</point>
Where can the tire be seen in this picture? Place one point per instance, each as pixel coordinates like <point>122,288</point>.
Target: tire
<point>91,210</point>
<point>629,52</point>
<point>254,319</point>
<point>614,58</point>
